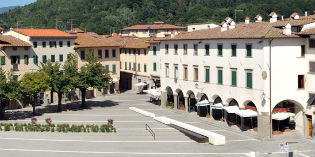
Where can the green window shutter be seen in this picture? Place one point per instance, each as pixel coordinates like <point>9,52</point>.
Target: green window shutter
<point>220,77</point>
<point>249,50</point>
<point>233,50</point>
<point>129,66</point>
<point>139,67</point>
<point>134,67</point>
<point>2,60</point>
<point>53,59</point>
<point>249,80</point>
<point>35,59</point>
<point>11,58</point>
<point>60,58</point>
<point>207,47</point>
<point>15,77</point>
<point>145,68</point>
<point>44,59</point>
<point>107,67</point>
<point>18,59</point>
<point>154,66</point>
<point>234,83</point>
<point>220,50</point>
<point>114,68</point>
<point>207,75</point>
<point>154,50</point>
<point>125,65</point>
<point>26,59</point>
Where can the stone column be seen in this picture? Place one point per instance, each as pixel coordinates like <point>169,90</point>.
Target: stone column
<point>242,123</point>
<point>186,105</point>
<point>175,101</point>
<point>163,99</point>
<point>210,109</point>
<point>264,125</point>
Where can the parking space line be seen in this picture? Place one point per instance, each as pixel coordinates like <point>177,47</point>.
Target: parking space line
<point>303,155</point>
<point>252,139</point>
<point>93,121</point>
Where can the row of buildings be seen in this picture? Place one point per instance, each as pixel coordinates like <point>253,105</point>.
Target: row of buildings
<point>259,75</point>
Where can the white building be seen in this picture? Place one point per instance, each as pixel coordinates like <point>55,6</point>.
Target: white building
<point>200,26</point>
<point>268,67</point>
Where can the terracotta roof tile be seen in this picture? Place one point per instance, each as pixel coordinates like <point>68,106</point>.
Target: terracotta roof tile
<point>90,40</point>
<point>44,33</point>
<point>308,32</point>
<point>154,26</point>
<point>8,41</point>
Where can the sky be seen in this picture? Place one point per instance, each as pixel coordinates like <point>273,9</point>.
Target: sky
<point>6,3</point>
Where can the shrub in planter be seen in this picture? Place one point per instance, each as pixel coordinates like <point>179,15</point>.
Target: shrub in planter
<point>34,121</point>
<point>48,121</point>
<point>110,122</point>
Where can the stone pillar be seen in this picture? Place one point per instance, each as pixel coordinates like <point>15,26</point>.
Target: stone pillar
<point>210,110</point>
<point>264,125</point>
<point>175,101</point>
<point>163,99</point>
<point>186,105</point>
<point>242,123</point>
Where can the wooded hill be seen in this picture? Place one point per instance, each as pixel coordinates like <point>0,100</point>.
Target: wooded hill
<point>107,16</point>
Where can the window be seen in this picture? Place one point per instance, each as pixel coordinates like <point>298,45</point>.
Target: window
<point>207,48</point>
<point>138,51</point>
<point>44,44</point>
<point>35,59</point>
<point>312,67</point>
<point>129,66</point>
<point>26,59</point>
<point>15,59</point>
<point>154,50</point>
<point>175,49</point>
<point>195,49</point>
<point>145,68</point>
<point>82,55</point>
<point>53,44</point>
<point>207,73</point>
<point>249,79</point>
<point>166,48</point>
<point>52,58</point>
<point>60,58</point>
<point>195,73</point>
<point>2,60</point>
<point>25,48</point>
<point>185,49</point>
<point>175,71</point>
<point>233,46</point>
<point>125,51</point>
<point>154,66</point>
<point>114,68</point>
<point>125,65</point>
<point>129,51</point>
<point>167,70</point>
<point>60,44</point>
<point>106,54</point>
<point>234,78</point>
<point>145,52</point>
<point>99,54</point>
<point>302,50</point>
<point>113,53</point>
<point>312,43</point>
<point>68,55</point>
<point>248,50</point>
<point>15,77</point>
<point>185,73</point>
<point>220,76</point>
<point>139,67</point>
<point>35,44</point>
<point>220,49</point>
<point>68,43</point>
<point>107,68</point>
<point>44,59</point>
<point>134,51</point>
<point>134,67</point>
<point>14,48</point>
<point>301,81</point>
<point>91,51</point>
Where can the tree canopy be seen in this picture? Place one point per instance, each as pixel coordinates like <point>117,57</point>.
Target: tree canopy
<point>108,16</point>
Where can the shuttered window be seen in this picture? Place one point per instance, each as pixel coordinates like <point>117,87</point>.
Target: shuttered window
<point>139,67</point>
<point>220,49</point>
<point>134,67</point>
<point>185,49</point>
<point>249,80</point>
<point>114,68</point>
<point>302,50</point>
<point>175,49</point>
<point>2,60</point>
<point>154,66</point>
<point>154,50</point>
<point>26,59</point>
<point>60,58</point>
<point>35,59</point>
<point>220,76</point>
<point>207,79</point>
<point>233,50</point>
<point>196,74</point>
<point>312,67</point>
<point>125,65</point>
<point>107,67</point>
<point>207,48</point>
<point>248,50</point>
<point>53,59</point>
<point>44,59</point>
<point>234,79</point>
<point>301,81</point>
<point>145,68</point>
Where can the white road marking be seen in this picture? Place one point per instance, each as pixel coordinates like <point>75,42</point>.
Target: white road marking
<point>91,121</point>
<point>241,140</point>
<point>99,115</point>
<point>87,141</point>
<point>303,155</point>
<point>126,153</point>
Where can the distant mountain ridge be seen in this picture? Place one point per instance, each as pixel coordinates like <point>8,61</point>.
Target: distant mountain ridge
<point>5,9</point>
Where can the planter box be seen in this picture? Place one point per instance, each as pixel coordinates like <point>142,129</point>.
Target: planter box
<point>277,132</point>
<point>181,108</point>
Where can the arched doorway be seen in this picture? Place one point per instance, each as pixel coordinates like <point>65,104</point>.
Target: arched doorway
<point>231,117</point>
<point>170,97</point>
<point>250,121</point>
<point>181,100</point>
<point>287,115</point>
<point>191,102</point>
<point>217,111</point>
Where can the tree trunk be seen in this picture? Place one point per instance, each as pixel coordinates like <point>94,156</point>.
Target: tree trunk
<point>59,102</point>
<point>51,96</point>
<point>34,105</point>
<point>2,110</point>
<point>83,92</point>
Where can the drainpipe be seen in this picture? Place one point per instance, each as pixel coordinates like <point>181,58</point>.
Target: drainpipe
<point>270,111</point>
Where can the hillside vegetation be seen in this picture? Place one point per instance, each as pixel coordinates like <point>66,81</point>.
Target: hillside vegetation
<point>107,16</point>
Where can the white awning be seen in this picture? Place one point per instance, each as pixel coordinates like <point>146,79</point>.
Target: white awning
<point>140,84</point>
<point>232,109</point>
<point>247,113</point>
<point>153,92</point>
<point>282,115</point>
<point>217,106</point>
<point>203,103</point>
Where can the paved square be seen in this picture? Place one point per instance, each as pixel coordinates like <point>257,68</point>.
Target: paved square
<point>131,138</point>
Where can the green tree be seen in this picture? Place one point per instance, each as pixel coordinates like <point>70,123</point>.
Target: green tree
<point>34,83</point>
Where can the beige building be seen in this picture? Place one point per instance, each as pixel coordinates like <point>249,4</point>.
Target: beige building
<point>105,49</point>
<point>157,29</point>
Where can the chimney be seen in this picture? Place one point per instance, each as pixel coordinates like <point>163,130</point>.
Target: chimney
<point>273,17</point>
<point>247,19</point>
<point>223,26</point>
<point>232,25</point>
<point>258,18</point>
<point>305,13</point>
<point>294,16</point>
<point>287,29</point>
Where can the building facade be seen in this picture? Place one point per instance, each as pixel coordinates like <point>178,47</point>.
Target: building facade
<point>264,66</point>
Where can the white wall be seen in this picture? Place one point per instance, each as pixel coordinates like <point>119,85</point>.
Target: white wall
<point>195,27</point>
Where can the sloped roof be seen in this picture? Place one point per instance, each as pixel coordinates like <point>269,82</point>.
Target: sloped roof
<point>308,32</point>
<point>44,33</point>
<point>90,40</point>
<point>8,41</point>
<point>154,26</point>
